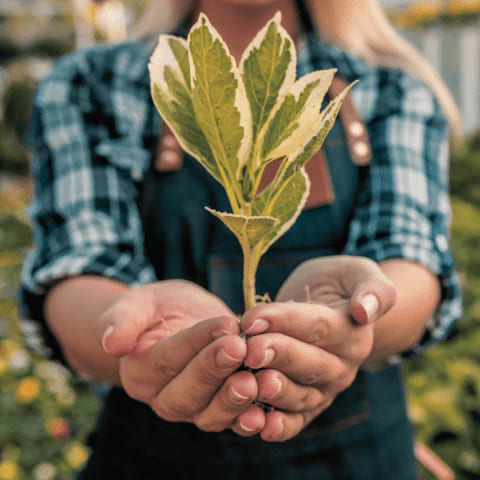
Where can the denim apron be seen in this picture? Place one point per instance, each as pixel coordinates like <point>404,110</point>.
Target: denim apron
<point>363,435</point>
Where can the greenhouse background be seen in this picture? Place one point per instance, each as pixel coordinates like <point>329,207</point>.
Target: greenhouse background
<point>46,414</point>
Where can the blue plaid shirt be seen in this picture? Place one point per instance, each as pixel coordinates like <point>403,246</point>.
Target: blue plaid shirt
<point>93,127</point>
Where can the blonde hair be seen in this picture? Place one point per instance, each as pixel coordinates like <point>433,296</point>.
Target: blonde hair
<point>358,26</point>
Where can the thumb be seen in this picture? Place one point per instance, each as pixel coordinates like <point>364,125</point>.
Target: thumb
<point>125,320</point>
<point>372,298</point>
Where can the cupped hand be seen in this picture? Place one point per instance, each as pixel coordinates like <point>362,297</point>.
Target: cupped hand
<point>180,349</point>
<point>310,343</point>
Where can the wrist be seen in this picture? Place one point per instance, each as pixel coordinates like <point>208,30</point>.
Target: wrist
<point>73,312</point>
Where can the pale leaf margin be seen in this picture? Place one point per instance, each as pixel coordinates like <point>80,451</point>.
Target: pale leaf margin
<point>177,111</point>
<point>263,93</point>
<point>241,104</point>
<point>250,230</point>
<point>309,114</point>
<point>297,160</point>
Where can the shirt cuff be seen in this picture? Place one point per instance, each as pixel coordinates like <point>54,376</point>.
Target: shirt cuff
<point>37,281</point>
<point>435,255</point>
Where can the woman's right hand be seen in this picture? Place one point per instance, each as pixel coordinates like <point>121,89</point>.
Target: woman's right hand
<point>179,349</point>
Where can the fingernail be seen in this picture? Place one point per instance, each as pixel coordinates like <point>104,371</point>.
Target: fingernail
<point>238,396</point>
<point>269,356</point>
<point>247,429</point>
<point>258,326</point>
<point>221,332</point>
<point>276,391</point>
<point>370,303</point>
<point>107,332</point>
<point>224,360</point>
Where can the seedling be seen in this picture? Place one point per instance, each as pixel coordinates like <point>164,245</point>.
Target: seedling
<point>235,120</point>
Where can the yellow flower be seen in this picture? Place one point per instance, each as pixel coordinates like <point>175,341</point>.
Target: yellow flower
<point>419,13</point>
<point>9,259</point>
<point>8,346</point>
<point>459,7</point>
<point>76,455</point>
<point>3,365</point>
<point>9,470</point>
<point>27,390</point>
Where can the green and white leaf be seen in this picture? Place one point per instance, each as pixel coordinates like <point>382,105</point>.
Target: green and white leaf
<point>298,112</point>
<point>234,121</point>
<point>219,99</point>
<point>170,86</point>
<point>285,203</point>
<point>297,160</point>
<point>249,230</point>
<point>268,69</point>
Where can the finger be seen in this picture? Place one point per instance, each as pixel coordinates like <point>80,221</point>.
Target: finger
<point>234,397</point>
<point>277,390</point>
<point>141,309</point>
<point>192,389</point>
<point>282,426</point>
<point>372,292</point>
<point>301,362</point>
<point>126,319</point>
<point>146,373</point>
<point>311,323</point>
<point>250,422</point>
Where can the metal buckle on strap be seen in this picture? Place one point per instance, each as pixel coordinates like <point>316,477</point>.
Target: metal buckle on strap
<point>169,153</point>
<point>356,132</point>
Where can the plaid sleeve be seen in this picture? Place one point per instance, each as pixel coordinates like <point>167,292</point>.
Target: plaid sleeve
<point>403,208</point>
<point>84,211</point>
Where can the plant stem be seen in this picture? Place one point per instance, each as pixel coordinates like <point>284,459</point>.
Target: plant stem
<point>250,264</point>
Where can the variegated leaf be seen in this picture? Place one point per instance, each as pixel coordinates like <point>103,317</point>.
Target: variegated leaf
<point>285,203</point>
<point>219,98</point>
<point>298,112</point>
<point>297,160</point>
<point>268,68</point>
<point>170,84</point>
<point>249,230</point>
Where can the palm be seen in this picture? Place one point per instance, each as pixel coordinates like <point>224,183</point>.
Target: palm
<point>174,314</point>
<point>328,281</point>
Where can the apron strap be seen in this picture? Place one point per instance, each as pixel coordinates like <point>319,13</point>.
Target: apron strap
<point>356,132</point>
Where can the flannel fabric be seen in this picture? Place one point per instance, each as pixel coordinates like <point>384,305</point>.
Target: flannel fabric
<point>93,128</point>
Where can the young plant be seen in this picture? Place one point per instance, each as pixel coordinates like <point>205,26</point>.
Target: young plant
<point>235,120</point>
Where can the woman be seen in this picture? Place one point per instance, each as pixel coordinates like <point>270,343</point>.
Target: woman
<point>117,206</point>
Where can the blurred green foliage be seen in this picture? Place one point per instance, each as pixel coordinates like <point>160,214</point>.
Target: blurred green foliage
<point>17,101</point>
<point>444,384</point>
<point>45,412</point>
<point>28,39</point>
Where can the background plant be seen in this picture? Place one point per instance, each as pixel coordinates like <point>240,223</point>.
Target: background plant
<point>444,384</point>
<point>45,412</point>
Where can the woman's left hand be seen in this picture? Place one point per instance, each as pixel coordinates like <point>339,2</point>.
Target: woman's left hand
<point>310,343</point>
